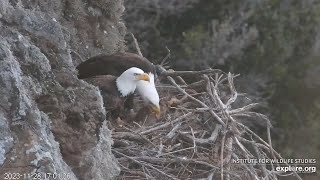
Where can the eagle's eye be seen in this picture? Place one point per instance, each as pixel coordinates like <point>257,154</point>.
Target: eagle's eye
<point>136,74</point>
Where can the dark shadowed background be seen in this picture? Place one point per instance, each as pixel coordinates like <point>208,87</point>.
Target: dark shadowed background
<point>273,44</point>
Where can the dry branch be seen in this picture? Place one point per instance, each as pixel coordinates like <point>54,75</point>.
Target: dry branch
<point>189,73</point>
<point>136,44</point>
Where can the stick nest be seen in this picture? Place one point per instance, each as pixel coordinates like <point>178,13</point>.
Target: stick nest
<point>200,135</point>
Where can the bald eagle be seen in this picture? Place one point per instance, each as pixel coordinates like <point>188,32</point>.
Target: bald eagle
<point>115,65</point>
<point>115,90</point>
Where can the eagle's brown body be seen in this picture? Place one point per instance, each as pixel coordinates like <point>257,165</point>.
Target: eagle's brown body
<point>113,101</point>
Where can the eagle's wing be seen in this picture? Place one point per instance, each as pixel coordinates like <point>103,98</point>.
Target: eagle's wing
<point>114,64</point>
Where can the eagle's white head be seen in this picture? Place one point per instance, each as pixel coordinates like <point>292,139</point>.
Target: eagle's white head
<point>149,94</point>
<point>127,81</point>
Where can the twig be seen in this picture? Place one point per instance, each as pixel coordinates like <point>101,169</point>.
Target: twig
<point>261,166</point>
<point>172,152</point>
<point>166,124</point>
<point>201,141</point>
<point>194,142</point>
<point>270,143</point>
<point>174,129</point>
<point>164,60</point>
<point>181,80</point>
<point>194,73</point>
<point>221,153</point>
<point>234,93</point>
<point>140,135</point>
<point>136,45</point>
<point>160,149</point>
<point>243,109</point>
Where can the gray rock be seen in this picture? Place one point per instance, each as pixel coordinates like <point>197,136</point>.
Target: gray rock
<point>50,121</point>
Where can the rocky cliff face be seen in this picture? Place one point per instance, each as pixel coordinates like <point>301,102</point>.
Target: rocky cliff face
<point>50,121</point>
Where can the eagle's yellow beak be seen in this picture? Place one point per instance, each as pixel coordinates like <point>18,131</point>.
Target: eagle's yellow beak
<point>156,110</point>
<point>143,76</point>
